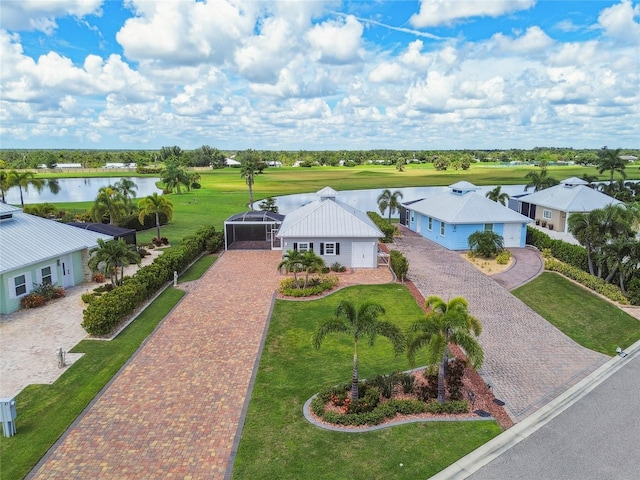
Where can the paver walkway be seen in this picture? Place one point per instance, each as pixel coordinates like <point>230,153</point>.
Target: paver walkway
<point>527,360</point>
<point>174,411</point>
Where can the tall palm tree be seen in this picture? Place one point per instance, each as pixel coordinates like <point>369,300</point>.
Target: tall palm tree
<point>114,255</point>
<point>292,262</point>
<point>497,196</point>
<point>23,180</point>
<point>389,200</point>
<point>539,180</point>
<point>5,183</point>
<point>155,205</point>
<point>359,322</point>
<point>109,201</point>
<point>127,188</point>
<point>611,162</point>
<point>249,168</point>
<point>586,228</point>
<point>446,323</point>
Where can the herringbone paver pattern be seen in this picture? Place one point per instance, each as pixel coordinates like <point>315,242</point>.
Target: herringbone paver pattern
<point>174,411</point>
<point>528,362</point>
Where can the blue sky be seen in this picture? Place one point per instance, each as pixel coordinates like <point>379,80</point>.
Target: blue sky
<point>311,74</point>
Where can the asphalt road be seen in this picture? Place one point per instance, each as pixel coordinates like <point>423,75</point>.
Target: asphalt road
<point>596,438</point>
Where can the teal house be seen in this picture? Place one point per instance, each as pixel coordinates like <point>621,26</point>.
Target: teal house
<point>35,251</point>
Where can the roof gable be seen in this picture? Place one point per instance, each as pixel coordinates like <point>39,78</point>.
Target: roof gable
<point>578,198</point>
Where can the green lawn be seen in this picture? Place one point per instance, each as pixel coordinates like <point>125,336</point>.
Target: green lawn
<point>586,318</point>
<point>198,269</point>
<point>46,411</point>
<point>277,442</point>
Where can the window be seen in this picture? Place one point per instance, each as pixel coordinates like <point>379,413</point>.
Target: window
<point>430,223</point>
<point>546,214</point>
<point>19,285</point>
<point>329,248</point>
<point>488,227</point>
<point>303,246</point>
<point>442,228</point>
<point>413,217</point>
<point>46,278</point>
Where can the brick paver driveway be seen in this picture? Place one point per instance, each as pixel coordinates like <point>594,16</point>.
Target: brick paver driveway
<point>528,362</point>
<point>174,411</point>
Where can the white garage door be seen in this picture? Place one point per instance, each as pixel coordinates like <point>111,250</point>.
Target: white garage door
<point>511,235</point>
<point>362,255</point>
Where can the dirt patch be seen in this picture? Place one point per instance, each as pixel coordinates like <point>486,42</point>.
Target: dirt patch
<point>488,266</point>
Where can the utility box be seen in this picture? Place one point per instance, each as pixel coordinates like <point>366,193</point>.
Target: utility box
<point>8,416</point>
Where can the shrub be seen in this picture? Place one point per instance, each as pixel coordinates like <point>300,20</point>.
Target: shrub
<point>316,286</point>
<point>387,229</point>
<point>503,257</point>
<point>385,383</point>
<point>143,252</point>
<point>399,264</point>
<point>461,406</point>
<point>337,267</point>
<point>592,282</point>
<point>575,255</point>
<point>149,221</point>
<point>88,297</point>
<point>33,300</point>
<point>98,277</point>
<point>429,391</point>
<point>408,382</point>
<point>49,291</point>
<point>455,372</point>
<point>633,291</point>
<point>215,243</point>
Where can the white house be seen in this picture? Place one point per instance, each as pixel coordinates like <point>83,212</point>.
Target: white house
<point>554,205</point>
<point>230,162</point>
<point>449,218</point>
<point>36,250</point>
<point>335,231</point>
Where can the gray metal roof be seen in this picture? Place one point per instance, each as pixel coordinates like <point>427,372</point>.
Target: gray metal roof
<point>567,198</point>
<point>26,239</point>
<point>467,208</point>
<point>255,216</point>
<point>328,218</point>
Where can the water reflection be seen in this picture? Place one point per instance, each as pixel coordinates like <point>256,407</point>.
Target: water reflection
<point>76,190</point>
<point>367,200</point>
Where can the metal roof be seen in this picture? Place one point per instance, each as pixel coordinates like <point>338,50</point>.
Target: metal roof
<point>26,239</point>
<point>467,208</point>
<point>328,218</point>
<point>105,228</point>
<point>568,198</point>
<point>255,216</point>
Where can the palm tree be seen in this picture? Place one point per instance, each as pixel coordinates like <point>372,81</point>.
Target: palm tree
<point>586,228</point>
<point>359,322</point>
<point>292,262</point>
<point>446,323</point>
<point>128,189</point>
<point>174,175</point>
<point>44,210</point>
<point>249,168</point>
<point>611,162</point>
<point>497,196</point>
<point>539,180</point>
<point>486,243</point>
<point>155,205</point>
<point>23,180</point>
<point>109,201</point>
<point>113,255</point>
<point>310,262</point>
<point>5,183</point>
<point>389,200</point>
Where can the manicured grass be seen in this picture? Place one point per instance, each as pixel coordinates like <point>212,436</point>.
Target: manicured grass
<point>196,270</point>
<point>46,411</point>
<point>589,320</point>
<point>277,442</point>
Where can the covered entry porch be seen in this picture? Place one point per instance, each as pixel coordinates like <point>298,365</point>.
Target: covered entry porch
<point>253,230</point>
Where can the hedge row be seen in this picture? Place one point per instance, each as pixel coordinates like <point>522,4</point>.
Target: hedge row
<point>387,229</point>
<point>107,312</point>
<point>592,282</point>
<point>399,264</point>
<point>131,221</point>
<point>574,255</point>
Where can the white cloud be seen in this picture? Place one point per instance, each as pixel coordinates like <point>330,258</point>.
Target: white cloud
<point>41,14</point>
<point>336,41</point>
<point>534,40</point>
<point>386,73</point>
<point>619,22</point>
<point>446,12</point>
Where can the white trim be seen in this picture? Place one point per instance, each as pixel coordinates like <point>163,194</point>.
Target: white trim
<point>54,274</point>
<point>12,285</point>
<point>333,248</point>
<point>442,230</point>
<point>545,212</point>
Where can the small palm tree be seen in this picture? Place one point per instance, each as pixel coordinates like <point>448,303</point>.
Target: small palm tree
<point>497,196</point>
<point>388,200</point>
<point>611,162</point>
<point>539,180</point>
<point>109,201</point>
<point>357,323</point>
<point>486,243</point>
<point>113,255</point>
<point>292,262</point>
<point>310,262</point>
<point>446,323</point>
<point>128,189</point>
<point>174,175</point>
<point>155,205</point>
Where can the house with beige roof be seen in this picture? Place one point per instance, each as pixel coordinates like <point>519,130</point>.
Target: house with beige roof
<point>448,218</point>
<point>553,206</point>
<point>35,251</point>
<point>333,230</point>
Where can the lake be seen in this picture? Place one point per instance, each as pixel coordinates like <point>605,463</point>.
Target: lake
<point>367,200</point>
<point>79,190</point>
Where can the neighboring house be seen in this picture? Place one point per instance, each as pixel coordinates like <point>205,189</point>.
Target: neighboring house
<point>230,162</point>
<point>553,206</point>
<point>36,250</point>
<point>449,218</point>
<point>335,231</point>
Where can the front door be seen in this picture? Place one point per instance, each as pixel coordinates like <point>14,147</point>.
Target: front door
<point>512,232</point>
<point>362,255</point>
<point>67,271</point>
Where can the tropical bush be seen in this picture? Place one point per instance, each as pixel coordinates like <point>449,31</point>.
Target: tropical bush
<point>32,300</point>
<point>399,264</point>
<point>388,229</point>
<point>574,255</point>
<point>503,257</point>
<point>216,242</point>
<point>315,286</point>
